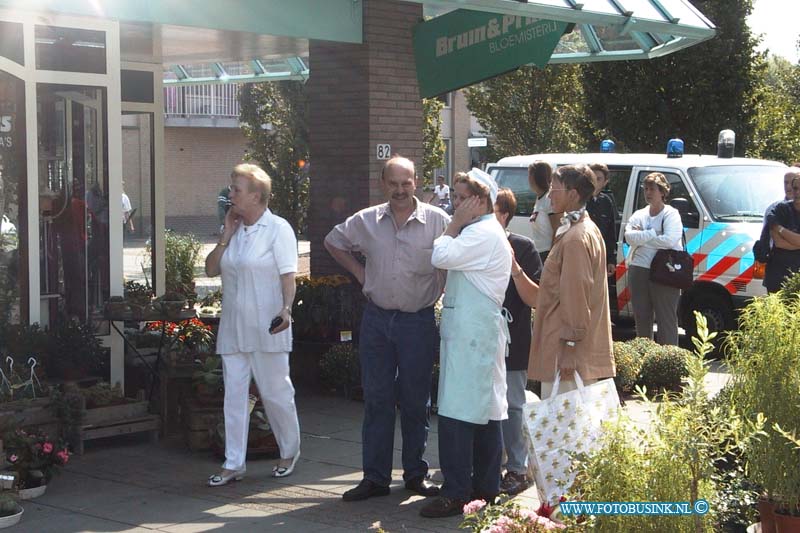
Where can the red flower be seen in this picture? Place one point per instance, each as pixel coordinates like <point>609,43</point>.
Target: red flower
<point>48,447</point>
<point>544,510</point>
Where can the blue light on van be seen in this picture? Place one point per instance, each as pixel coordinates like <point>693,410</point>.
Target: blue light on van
<point>675,148</point>
<point>607,146</point>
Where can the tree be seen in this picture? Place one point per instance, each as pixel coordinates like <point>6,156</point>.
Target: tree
<point>777,125</point>
<point>274,118</point>
<point>691,94</point>
<point>432,143</point>
<point>530,110</point>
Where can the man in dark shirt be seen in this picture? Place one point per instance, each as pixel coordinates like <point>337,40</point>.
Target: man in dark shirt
<point>525,254</point>
<point>603,212</point>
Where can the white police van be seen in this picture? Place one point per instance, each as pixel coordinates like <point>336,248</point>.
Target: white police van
<point>721,201</point>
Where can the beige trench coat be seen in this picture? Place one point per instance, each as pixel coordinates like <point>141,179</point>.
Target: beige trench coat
<point>573,306</point>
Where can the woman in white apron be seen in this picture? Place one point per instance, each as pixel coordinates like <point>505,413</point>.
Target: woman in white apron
<point>472,387</point>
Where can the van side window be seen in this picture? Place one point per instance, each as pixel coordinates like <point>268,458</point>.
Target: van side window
<point>678,198</point>
<point>516,179</point>
<point>618,178</point>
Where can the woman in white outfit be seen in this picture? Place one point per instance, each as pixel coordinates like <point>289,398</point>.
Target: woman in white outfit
<point>257,258</point>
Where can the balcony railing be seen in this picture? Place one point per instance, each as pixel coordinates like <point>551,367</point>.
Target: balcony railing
<point>205,100</point>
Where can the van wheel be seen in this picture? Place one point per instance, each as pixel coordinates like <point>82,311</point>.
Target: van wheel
<point>716,308</point>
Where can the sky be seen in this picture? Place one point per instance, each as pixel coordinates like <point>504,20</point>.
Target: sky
<point>777,21</point>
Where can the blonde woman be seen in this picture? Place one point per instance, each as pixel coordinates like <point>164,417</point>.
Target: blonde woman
<point>257,258</point>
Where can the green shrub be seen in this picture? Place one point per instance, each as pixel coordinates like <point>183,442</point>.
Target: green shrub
<point>628,360</point>
<point>181,255</point>
<point>340,368</point>
<point>673,459</point>
<point>790,288</point>
<point>664,369</point>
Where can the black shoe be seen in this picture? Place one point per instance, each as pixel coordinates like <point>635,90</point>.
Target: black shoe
<point>514,483</point>
<point>442,507</point>
<point>422,486</point>
<point>490,500</point>
<point>365,489</point>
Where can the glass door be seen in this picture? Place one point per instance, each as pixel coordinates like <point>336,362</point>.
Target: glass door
<point>73,202</point>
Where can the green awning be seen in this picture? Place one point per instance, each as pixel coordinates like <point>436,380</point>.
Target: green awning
<point>606,30</point>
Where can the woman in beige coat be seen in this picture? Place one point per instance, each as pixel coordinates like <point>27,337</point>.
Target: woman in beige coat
<point>572,327</point>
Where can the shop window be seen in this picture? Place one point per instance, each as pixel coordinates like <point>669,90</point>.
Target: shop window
<point>70,50</point>
<point>11,46</point>
<point>13,234</point>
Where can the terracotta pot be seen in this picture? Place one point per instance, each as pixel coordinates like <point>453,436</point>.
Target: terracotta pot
<point>766,510</point>
<point>785,523</point>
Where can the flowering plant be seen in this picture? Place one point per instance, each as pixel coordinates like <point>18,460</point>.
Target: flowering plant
<point>34,457</point>
<point>505,517</point>
<point>188,335</point>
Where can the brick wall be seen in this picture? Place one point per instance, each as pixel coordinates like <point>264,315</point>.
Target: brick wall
<point>360,96</point>
<point>198,165</point>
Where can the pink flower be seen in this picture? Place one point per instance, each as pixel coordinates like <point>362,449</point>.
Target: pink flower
<point>549,524</point>
<point>527,514</point>
<point>63,456</point>
<point>474,506</point>
<point>48,447</point>
<point>503,524</point>
<point>13,458</point>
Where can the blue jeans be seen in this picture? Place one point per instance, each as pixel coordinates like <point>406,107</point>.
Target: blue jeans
<point>513,438</point>
<point>396,351</point>
<point>470,457</point>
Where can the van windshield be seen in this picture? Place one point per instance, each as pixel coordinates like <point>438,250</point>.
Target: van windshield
<point>738,192</point>
<point>516,179</point>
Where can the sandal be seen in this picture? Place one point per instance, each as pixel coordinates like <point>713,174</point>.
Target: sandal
<point>284,471</point>
<point>218,480</point>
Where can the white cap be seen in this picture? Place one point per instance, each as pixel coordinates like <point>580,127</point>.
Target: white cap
<point>482,177</point>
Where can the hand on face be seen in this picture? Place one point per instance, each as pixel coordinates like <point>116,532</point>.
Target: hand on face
<point>468,210</point>
<point>232,221</point>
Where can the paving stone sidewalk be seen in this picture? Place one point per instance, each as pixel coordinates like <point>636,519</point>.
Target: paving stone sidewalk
<point>132,485</point>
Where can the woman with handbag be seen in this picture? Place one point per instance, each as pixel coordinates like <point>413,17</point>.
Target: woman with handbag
<point>655,227</point>
<point>257,258</point>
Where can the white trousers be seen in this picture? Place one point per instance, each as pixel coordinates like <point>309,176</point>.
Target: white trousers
<point>271,372</point>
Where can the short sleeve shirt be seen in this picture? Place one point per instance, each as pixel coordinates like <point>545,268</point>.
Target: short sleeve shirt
<point>542,228</point>
<point>251,267</point>
<point>398,273</point>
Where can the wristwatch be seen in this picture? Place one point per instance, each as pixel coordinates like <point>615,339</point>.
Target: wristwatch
<point>571,344</point>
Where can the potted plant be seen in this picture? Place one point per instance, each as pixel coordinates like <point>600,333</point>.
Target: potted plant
<point>138,296</point>
<point>74,351</point>
<point>10,511</point>
<point>172,303</point>
<point>340,369</point>
<point>207,381</point>
<point>116,307</point>
<point>35,458</point>
<point>765,386</point>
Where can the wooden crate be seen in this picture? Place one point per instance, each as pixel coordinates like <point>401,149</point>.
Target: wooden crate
<point>114,420</point>
<point>28,413</point>
<point>199,421</point>
<point>148,423</point>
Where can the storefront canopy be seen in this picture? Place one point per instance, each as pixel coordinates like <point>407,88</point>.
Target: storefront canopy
<point>607,30</point>
<point>251,40</point>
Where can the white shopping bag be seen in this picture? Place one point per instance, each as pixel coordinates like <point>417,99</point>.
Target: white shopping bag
<point>562,424</point>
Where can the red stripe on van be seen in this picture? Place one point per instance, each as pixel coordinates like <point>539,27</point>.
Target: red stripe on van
<point>720,268</point>
<point>623,298</point>
<point>743,278</point>
<point>620,271</point>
